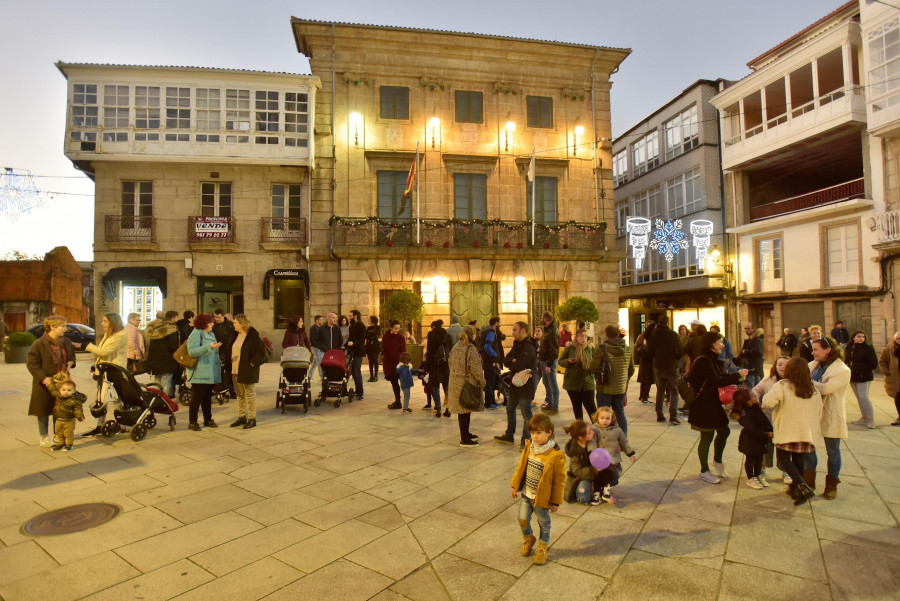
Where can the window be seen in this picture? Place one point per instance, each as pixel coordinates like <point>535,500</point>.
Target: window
<point>682,133</point>
<point>645,153</point>
<point>394,102</point>
<point>684,194</point>
<point>540,111</point>
<point>884,60</point>
<point>137,204</point>
<point>769,265</point>
<point>842,254</point>
<point>470,196</point>
<point>684,264</point>
<point>215,199</point>
<point>146,112</point>
<point>208,108</point>
<point>267,117</point>
<point>85,111</point>
<point>649,204</point>
<point>237,115</point>
<point>286,206</point>
<point>623,212</point>
<point>626,273</point>
<point>469,107</point>
<point>620,167</point>
<point>391,203</point>
<point>546,210</point>
<point>296,119</point>
<point>178,109</point>
<point>115,106</point>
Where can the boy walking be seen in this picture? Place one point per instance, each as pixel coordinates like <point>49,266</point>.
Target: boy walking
<point>66,410</point>
<point>541,478</point>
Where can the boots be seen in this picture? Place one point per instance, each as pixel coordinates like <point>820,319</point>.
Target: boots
<point>809,477</point>
<point>804,494</point>
<point>527,544</point>
<point>792,490</point>
<point>540,556</point>
<point>830,491</point>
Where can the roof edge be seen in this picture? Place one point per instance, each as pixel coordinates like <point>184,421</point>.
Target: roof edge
<point>712,82</point>
<point>62,65</point>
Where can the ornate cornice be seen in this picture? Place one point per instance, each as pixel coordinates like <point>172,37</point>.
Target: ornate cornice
<point>506,87</point>
<point>357,79</point>
<point>432,83</point>
<point>574,93</point>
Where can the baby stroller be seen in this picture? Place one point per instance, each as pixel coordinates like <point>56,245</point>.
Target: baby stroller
<point>502,384</point>
<point>293,385</point>
<point>140,403</point>
<point>335,377</point>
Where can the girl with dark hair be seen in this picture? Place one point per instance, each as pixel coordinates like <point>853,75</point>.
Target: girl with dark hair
<point>862,361</point>
<point>344,324</point>
<point>393,343</point>
<point>373,347</point>
<point>295,334</point>
<point>755,434</point>
<point>113,348</point>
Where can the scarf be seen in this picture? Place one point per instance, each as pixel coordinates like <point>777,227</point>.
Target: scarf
<point>580,355</point>
<point>58,353</point>
<point>537,450</point>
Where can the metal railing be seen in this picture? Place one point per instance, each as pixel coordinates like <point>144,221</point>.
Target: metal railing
<point>284,230</point>
<point>888,225</point>
<point>846,191</point>
<point>210,229</point>
<point>121,228</point>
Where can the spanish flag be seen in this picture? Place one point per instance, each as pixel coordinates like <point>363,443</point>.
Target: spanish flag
<point>411,179</point>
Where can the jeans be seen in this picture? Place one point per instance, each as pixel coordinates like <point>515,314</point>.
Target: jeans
<point>861,390</point>
<point>246,399</point>
<point>833,449</point>
<point>582,400</point>
<point>526,508</point>
<point>617,402</point>
<point>436,395</point>
<point>523,402</point>
<point>356,370</point>
<point>490,377</point>
<point>166,383</point>
<point>665,380</point>
<point>44,425</point>
<point>318,354</point>
<point>583,491</point>
<point>550,383</point>
<point>752,380</point>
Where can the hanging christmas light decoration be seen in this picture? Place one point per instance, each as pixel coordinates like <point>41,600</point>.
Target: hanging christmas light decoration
<point>18,194</point>
<point>668,238</point>
<point>638,229</point>
<point>701,230</point>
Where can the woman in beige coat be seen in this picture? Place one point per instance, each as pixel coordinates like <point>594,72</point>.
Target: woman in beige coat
<point>113,348</point>
<point>890,367</point>
<point>465,365</point>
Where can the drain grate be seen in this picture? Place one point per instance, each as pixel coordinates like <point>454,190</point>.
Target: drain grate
<point>72,519</point>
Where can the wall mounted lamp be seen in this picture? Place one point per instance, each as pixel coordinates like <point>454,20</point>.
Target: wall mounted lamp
<point>435,127</point>
<point>579,131</point>
<point>355,121</point>
<point>510,128</point>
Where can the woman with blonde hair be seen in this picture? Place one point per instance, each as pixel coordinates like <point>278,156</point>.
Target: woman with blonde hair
<point>49,355</point>
<point>465,367</point>
<point>113,348</point>
<point>248,352</point>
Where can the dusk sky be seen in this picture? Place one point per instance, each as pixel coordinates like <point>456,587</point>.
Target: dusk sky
<point>674,43</point>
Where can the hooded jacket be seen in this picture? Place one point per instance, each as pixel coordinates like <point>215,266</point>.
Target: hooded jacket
<point>752,352</point>
<point>833,389</point>
<point>580,467</point>
<point>613,439</point>
<point>164,341</point>
<point>548,351</point>
<point>621,365</point>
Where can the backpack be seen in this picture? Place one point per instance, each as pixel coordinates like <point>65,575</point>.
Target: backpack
<point>604,371</point>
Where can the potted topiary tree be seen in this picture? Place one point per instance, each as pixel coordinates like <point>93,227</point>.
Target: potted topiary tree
<point>17,345</point>
<point>406,307</point>
<point>579,309</point>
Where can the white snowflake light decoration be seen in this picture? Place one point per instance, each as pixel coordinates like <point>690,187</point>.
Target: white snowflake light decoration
<point>668,238</point>
<point>18,194</point>
<point>638,229</point>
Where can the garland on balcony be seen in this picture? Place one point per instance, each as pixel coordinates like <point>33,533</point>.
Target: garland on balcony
<point>429,224</point>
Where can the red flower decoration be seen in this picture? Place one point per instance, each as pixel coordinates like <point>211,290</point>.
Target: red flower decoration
<point>476,244</point>
<point>428,243</point>
<point>506,245</point>
<point>446,244</point>
<point>390,242</point>
<point>518,245</point>
<point>546,245</point>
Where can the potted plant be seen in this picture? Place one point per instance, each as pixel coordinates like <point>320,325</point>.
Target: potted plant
<point>406,307</point>
<point>578,309</point>
<point>17,345</point>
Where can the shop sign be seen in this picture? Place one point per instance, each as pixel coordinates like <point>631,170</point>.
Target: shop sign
<point>210,227</point>
<point>287,273</point>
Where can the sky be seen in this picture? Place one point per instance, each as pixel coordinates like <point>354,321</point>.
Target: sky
<point>673,42</point>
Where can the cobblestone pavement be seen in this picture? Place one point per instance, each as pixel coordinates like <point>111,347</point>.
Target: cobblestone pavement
<point>360,503</point>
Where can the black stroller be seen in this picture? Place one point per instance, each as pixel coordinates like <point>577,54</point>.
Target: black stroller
<point>335,378</point>
<point>293,385</point>
<point>140,403</point>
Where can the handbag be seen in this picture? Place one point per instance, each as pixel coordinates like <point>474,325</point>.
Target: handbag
<point>184,358</point>
<point>726,393</point>
<point>137,366</point>
<point>686,391</point>
<point>471,396</point>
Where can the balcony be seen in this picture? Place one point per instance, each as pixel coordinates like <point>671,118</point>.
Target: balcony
<point>845,191</point>
<point>453,238</point>
<point>283,233</point>
<point>211,233</point>
<point>888,228</point>
<point>130,233</point>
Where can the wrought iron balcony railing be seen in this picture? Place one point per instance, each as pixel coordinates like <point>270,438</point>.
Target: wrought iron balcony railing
<point>846,191</point>
<point>888,225</point>
<point>120,228</point>
<point>283,230</point>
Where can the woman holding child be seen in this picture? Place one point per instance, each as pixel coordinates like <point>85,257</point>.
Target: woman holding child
<point>49,355</point>
<point>465,366</point>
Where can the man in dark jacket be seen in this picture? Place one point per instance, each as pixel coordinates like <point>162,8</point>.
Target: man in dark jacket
<point>491,354</point>
<point>752,354</point>
<point>224,333</point>
<point>548,353</point>
<point>840,333</point>
<point>356,347</point>
<point>316,365</point>
<point>787,343</point>
<point>520,357</point>
<point>185,325</point>
<point>164,341</point>
<point>665,347</point>
<point>329,335</point>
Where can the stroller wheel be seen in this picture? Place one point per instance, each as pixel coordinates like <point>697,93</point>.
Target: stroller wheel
<point>305,406</point>
<point>138,432</point>
<point>184,397</point>
<point>220,398</point>
<point>150,421</point>
<point>277,400</point>
<point>337,403</point>
<point>171,422</point>
<point>109,428</point>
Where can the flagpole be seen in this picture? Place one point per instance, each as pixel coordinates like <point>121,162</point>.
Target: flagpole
<point>533,198</point>
<point>418,221</point>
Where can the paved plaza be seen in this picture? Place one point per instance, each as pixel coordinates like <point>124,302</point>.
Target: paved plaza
<point>362,503</point>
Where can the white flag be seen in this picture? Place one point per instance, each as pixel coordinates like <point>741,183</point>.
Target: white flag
<point>531,168</point>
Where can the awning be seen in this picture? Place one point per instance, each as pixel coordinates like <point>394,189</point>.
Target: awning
<point>134,276</point>
<point>285,274</point>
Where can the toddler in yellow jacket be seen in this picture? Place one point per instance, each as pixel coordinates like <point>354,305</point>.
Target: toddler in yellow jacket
<point>541,478</point>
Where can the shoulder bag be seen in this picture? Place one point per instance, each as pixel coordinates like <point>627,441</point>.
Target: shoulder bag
<point>183,357</point>
<point>686,391</point>
<point>471,396</point>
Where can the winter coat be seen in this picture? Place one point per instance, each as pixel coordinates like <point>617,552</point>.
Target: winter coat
<point>209,366</point>
<point>40,365</point>
<point>136,347</point>
<point>357,335</point>
<point>752,353</point>
<point>642,355</point>
<point>69,408</point>
<point>184,329</point>
<point>328,338</point>
<point>224,333</point>
<point>805,348</point>
<point>391,347</point>
<point>787,343</point>
<point>406,376</point>
<point>295,337</point>
<point>112,349</point>
<point>577,377</point>
<point>706,377</point>
<point>665,347</point>
<point>580,467</point>
<point>548,350</point>
<point>613,440</point>
<point>833,389</point>
<point>437,355</point>
<point>862,361</point>
<point>890,367</point>
<point>754,439</point>
<point>373,345</point>
<point>620,363</point>
<point>253,354</point>
<point>523,355</point>
<point>840,335</point>
<point>795,419</point>
<point>163,344</point>
<point>552,484</point>
<point>565,337</point>
<point>464,358</point>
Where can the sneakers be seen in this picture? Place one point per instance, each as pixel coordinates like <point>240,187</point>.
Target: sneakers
<point>468,443</point>
<point>504,439</point>
<point>754,483</point>
<point>395,405</point>
<point>45,441</point>
<point>545,406</point>
<point>896,422</point>
<point>426,407</point>
<point>660,418</point>
<point>527,545</point>
<point>647,401</point>
<point>251,423</point>
<point>786,478</point>
<point>239,422</point>
<point>195,427</point>
<point>870,424</point>
<point>493,406</point>
<point>407,410</point>
<point>90,433</point>
<point>540,556</point>
<point>596,498</point>
<point>57,447</point>
<point>860,422</point>
<point>674,421</point>
<point>709,477</point>
<point>473,436</point>
<point>67,448</point>
<point>550,411</point>
<point>718,469</point>
<point>211,424</point>
<point>607,494</point>
<point>762,480</point>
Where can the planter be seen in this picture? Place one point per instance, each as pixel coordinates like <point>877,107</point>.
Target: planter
<point>16,354</point>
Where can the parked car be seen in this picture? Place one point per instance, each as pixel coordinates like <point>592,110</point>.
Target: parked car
<point>80,334</point>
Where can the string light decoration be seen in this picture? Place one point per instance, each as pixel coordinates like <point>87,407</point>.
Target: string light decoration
<point>18,194</point>
<point>668,238</point>
<point>638,229</point>
<point>701,230</point>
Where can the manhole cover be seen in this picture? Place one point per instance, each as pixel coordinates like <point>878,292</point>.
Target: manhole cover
<point>71,519</point>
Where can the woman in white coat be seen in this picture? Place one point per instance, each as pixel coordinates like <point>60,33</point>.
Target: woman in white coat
<point>831,377</point>
<point>113,348</point>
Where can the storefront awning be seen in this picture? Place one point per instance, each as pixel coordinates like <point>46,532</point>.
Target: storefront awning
<point>134,276</point>
<point>286,274</point>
